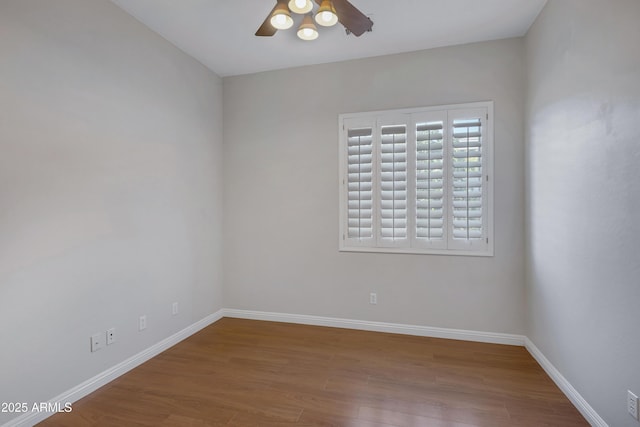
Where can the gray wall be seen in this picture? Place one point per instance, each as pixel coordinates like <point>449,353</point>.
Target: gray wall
<point>281,192</point>
<point>583,187</point>
<point>110,191</point>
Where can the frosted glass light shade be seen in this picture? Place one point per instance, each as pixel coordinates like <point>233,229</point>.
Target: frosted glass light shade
<point>326,15</point>
<point>281,17</point>
<point>300,6</point>
<point>307,30</point>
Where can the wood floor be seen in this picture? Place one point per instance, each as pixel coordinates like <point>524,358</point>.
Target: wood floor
<point>251,373</point>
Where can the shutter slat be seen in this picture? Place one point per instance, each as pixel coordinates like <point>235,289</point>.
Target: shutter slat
<point>393,186</point>
<point>430,174</point>
<point>468,203</point>
<point>465,133</point>
<point>432,214</point>
<point>358,222</point>
<point>360,133</point>
<point>394,158</point>
<point>462,173</point>
<point>467,183</point>
<point>360,169</point>
<point>466,194</point>
<point>463,143</point>
<point>436,233</point>
<point>359,178</point>
<point>429,223</point>
<point>429,155</point>
<point>467,123</point>
<point>428,185</point>
<point>360,232</point>
<point>470,215</point>
<point>360,148</point>
<point>466,233</point>
<point>388,147</point>
<point>433,126</point>
<point>359,186</point>
<point>365,156</point>
<point>358,205</point>
<point>469,224</point>
<point>393,204</point>
<point>426,142</point>
<point>428,207</point>
<point>397,131</point>
<point>358,212</point>
<point>360,141</point>
<point>360,195</point>
<point>394,176</point>
<point>395,169</point>
<point>467,163</point>
<point>470,152</point>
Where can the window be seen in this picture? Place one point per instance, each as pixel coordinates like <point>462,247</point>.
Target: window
<point>417,181</point>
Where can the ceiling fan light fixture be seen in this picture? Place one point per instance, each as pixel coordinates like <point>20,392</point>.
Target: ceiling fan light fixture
<point>326,15</point>
<point>307,30</point>
<point>281,17</point>
<point>300,6</point>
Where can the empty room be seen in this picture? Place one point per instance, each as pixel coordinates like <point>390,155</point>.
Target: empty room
<point>319,213</point>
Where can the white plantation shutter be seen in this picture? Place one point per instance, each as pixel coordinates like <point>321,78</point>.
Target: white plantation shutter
<point>467,228</point>
<point>417,181</point>
<point>393,183</point>
<point>430,201</point>
<point>360,182</point>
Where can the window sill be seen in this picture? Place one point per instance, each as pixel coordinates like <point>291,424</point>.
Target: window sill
<point>418,251</point>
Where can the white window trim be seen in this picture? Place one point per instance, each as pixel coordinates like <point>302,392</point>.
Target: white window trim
<point>373,119</point>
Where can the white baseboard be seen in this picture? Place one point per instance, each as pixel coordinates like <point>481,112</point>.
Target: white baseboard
<point>92,384</point>
<point>394,328</point>
<point>572,394</point>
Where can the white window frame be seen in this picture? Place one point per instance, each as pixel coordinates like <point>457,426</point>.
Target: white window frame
<point>409,117</point>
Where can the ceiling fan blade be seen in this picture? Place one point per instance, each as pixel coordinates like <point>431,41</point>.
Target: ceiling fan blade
<point>266,29</point>
<point>352,19</point>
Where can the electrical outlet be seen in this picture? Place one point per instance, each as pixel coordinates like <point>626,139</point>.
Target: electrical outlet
<point>97,342</point>
<point>111,336</point>
<point>174,308</point>
<point>632,404</point>
<point>373,298</point>
<point>142,323</point>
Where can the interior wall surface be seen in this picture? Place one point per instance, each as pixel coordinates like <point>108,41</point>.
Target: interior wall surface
<point>110,192</point>
<point>281,192</point>
<point>583,182</point>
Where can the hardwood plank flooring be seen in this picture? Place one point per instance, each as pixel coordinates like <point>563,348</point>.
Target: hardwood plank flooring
<point>252,373</point>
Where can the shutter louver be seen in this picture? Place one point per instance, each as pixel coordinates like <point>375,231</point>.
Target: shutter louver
<point>393,182</point>
<point>429,181</point>
<point>467,179</point>
<point>360,183</point>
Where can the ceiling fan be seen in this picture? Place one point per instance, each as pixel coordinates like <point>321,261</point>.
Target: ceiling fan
<point>329,13</point>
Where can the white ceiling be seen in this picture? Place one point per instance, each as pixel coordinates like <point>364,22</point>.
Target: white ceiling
<point>220,33</point>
